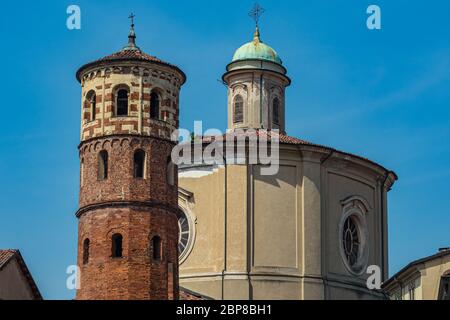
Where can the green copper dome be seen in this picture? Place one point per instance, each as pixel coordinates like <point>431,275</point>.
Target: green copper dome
<point>256,49</point>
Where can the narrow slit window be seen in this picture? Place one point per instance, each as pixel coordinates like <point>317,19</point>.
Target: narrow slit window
<point>154,106</point>
<point>139,163</point>
<point>103,165</point>
<point>238,109</point>
<point>156,245</point>
<point>82,172</point>
<point>276,111</point>
<point>116,246</point>
<point>86,244</point>
<point>170,173</point>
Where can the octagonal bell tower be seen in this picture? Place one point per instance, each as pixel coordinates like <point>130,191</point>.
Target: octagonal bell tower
<point>128,229</point>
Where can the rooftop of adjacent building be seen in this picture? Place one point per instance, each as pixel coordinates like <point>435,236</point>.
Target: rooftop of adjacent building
<point>8,255</point>
<point>442,252</point>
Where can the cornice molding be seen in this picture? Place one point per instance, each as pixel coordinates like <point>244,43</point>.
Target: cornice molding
<point>124,135</point>
<point>127,204</point>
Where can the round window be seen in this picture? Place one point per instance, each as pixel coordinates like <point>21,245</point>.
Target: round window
<point>353,241</point>
<point>185,234</point>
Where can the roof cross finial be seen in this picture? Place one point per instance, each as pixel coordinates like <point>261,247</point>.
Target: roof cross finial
<point>256,12</point>
<point>132,19</point>
<point>131,35</point>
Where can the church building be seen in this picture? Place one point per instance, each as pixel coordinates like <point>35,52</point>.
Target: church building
<point>149,228</point>
<point>308,232</point>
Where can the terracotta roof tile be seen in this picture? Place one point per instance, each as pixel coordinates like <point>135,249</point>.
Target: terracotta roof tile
<point>6,255</point>
<point>132,54</point>
<point>186,294</point>
<point>261,134</point>
<point>283,138</point>
<point>127,54</point>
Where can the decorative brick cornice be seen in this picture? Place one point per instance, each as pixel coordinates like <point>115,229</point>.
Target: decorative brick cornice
<point>127,204</point>
<point>124,135</point>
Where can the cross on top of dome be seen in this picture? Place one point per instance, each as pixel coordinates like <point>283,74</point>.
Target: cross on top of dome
<point>131,36</point>
<point>256,12</point>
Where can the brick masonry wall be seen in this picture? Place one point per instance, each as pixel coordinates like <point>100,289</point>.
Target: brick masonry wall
<point>135,275</point>
<point>137,208</point>
<point>121,184</point>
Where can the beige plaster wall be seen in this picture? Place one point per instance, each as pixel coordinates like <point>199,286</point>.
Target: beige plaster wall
<point>282,236</point>
<point>431,277</point>
<point>424,278</point>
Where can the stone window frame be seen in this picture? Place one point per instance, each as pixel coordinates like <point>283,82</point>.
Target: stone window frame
<point>235,102</point>
<point>102,163</point>
<point>92,105</point>
<point>272,110</point>
<point>355,208</point>
<point>239,89</point>
<point>115,91</point>
<point>159,93</point>
<point>276,93</point>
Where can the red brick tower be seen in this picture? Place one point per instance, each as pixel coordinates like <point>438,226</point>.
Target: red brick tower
<point>128,230</point>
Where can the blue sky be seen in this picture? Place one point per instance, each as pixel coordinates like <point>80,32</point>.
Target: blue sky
<point>381,94</point>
